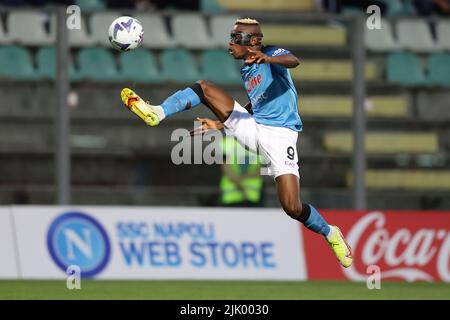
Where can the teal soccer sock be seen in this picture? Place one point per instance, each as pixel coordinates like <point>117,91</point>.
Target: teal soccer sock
<point>179,101</point>
<point>316,222</point>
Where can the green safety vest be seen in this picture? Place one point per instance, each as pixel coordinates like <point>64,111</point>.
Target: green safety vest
<point>249,163</point>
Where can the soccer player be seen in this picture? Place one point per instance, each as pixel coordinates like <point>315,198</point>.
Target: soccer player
<point>269,122</point>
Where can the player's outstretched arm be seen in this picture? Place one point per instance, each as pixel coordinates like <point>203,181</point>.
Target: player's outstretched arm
<point>286,60</point>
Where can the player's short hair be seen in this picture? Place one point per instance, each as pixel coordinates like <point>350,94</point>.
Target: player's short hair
<point>247,21</point>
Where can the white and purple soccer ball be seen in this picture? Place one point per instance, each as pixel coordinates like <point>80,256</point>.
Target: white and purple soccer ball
<point>126,33</point>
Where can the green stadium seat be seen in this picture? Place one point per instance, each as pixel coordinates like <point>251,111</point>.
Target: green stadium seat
<point>405,69</point>
<point>179,66</point>
<point>139,66</point>
<point>97,64</point>
<point>342,106</point>
<point>46,64</point>
<point>16,63</point>
<point>91,5</point>
<point>218,66</point>
<point>439,69</point>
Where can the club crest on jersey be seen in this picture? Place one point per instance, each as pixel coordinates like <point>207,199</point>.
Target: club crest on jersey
<point>252,83</point>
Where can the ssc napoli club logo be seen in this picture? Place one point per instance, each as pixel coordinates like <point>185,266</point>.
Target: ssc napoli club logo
<point>75,238</point>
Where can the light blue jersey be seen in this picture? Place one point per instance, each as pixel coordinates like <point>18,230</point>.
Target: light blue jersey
<point>272,93</point>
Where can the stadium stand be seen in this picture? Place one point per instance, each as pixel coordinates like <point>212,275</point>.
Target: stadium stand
<point>131,66</point>
<point>433,105</point>
<point>78,37</point>
<point>407,104</point>
<point>187,27</point>
<point>178,65</point>
<point>97,64</point>
<point>443,36</point>
<point>330,70</point>
<point>218,66</point>
<point>159,37</point>
<point>28,28</point>
<point>410,142</point>
<point>342,106</point>
<point>415,35</point>
<point>439,69</point>
<point>220,29</point>
<point>263,5</point>
<point>381,39</point>
<point>407,179</point>
<point>4,38</point>
<point>305,35</point>
<point>405,68</point>
<point>91,5</point>
<point>16,63</point>
<point>99,26</point>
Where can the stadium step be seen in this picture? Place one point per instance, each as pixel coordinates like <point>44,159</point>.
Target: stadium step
<point>330,70</point>
<point>406,179</point>
<point>264,5</point>
<point>384,142</point>
<point>304,35</point>
<point>342,106</point>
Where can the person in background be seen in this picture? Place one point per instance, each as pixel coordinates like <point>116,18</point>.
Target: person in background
<point>241,184</point>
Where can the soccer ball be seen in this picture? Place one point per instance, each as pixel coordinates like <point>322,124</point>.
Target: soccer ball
<point>126,33</point>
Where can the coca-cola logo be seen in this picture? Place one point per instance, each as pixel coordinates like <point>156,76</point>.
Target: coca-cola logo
<point>400,252</point>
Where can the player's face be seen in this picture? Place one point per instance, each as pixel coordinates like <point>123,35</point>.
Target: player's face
<point>237,45</point>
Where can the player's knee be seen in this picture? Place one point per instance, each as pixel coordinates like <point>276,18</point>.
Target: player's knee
<point>293,208</point>
<point>205,85</point>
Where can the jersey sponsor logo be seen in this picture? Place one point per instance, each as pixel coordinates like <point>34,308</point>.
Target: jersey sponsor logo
<point>278,51</point>
<point>252,83</point>
<point>259,98</point>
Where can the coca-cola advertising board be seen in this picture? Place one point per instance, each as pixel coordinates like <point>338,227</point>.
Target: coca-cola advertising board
<point>404,245</point>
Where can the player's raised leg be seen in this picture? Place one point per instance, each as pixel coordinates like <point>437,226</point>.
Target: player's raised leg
<point>288,188</point>
<point>201,92</point>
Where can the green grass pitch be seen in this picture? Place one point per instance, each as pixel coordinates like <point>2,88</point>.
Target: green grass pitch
<point>220,290</point>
